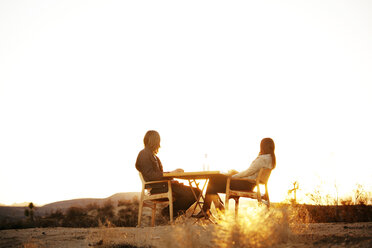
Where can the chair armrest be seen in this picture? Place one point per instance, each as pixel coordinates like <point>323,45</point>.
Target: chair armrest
<point>244,179</point>
<point>151,182</point>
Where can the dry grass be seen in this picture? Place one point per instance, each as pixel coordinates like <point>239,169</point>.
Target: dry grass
<point>279,226</point>
<point>255,227</point>
<point>33,243</point>
<point>187,234</point>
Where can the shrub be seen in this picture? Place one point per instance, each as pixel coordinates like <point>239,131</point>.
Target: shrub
<point>78,217</point>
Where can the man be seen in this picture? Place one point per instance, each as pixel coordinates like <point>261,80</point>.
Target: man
<point>152,170</point>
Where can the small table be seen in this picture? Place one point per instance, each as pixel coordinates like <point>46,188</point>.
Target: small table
<point>192,177</point>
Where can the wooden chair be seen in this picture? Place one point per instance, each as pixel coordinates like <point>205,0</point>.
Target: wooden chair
<point>154,199</point>
<point>262,178</point>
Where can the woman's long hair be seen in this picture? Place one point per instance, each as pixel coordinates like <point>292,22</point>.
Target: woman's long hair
<point>152,141</point>
<point>267,146</point>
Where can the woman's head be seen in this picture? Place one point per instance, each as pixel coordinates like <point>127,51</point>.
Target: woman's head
<point>152,141</point>
<point>267,146</point>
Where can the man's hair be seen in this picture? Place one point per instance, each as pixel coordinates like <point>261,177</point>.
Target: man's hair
<point>267,146</point>
<point>152,141</point>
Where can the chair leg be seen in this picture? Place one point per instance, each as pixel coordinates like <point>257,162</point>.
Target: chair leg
<point>227,194</point>
<point>227,203</point>
<point>236,207</point>
<point>170,199</point>
<point>258,193</point>
<point>267,196</point>
<point>140,213</point>
<point>153,215</point>
<point>171,211</point>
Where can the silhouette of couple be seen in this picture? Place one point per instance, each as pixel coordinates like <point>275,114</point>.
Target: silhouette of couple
<point>152,170</point>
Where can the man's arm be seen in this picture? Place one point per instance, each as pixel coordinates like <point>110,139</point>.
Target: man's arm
<point>146,164</point>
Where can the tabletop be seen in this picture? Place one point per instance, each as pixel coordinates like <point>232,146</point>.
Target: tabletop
<point>193,174</point>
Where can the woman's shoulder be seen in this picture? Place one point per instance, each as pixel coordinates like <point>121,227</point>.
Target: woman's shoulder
<point>263,157</point>
<point>265,160</point>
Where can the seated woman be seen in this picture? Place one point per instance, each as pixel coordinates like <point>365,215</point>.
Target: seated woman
<point>152,170</point>
<point>266,159</point>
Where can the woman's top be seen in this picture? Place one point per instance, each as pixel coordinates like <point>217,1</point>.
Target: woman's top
<point>262,161</point>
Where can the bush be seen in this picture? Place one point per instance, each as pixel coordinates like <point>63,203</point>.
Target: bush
<point>345,213</point>
<point>78,217</point>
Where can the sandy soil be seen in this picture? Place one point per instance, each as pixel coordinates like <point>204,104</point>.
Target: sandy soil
<point>309,235</point>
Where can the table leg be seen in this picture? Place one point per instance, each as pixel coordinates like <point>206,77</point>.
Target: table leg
<point>197,198</point>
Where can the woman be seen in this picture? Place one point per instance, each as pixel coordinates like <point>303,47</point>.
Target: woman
<point>152,170</point>
<point>266,159</point>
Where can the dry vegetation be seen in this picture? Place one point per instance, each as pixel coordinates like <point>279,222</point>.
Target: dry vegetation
<point>93,215</point>
<point>280,226</point>
<point>109,226</point>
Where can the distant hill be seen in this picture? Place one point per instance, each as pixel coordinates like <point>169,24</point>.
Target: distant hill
<point>86,201</point>
<point>7,212</point>
<point>21,204</point>
<point>14,212</point>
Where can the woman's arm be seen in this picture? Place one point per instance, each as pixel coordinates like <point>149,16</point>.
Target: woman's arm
<point>231,172</point>
<point>255,166</point>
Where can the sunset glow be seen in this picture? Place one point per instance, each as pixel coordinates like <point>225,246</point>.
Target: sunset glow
<point>82,81</point>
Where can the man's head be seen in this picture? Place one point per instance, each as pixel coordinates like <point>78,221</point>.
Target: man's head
<point>152,141</point>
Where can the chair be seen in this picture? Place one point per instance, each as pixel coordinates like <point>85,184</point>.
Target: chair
<point>262,178</point>
<point>154,199</point>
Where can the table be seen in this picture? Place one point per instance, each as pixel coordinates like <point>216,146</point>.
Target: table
<point>192,177</point>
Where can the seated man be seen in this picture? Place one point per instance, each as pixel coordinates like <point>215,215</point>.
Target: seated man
<point>152,170</point>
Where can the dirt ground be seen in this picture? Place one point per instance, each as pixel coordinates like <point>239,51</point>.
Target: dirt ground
<point>304,235</point>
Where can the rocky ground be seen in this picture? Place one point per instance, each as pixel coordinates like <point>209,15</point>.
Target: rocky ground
<point>304,235</point>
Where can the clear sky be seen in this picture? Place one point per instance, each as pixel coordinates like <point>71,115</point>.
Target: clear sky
<point>82,81</point>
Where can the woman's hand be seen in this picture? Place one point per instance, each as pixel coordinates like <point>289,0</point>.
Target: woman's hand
<point>178,170</point>
<point>232,172</point>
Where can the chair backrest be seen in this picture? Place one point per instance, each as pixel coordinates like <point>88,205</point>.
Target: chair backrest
<point>263,175</point>
<point>144,186</point>
<point>142,180</point>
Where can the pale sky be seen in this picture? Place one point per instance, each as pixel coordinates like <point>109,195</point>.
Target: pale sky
<point>82,81</point>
